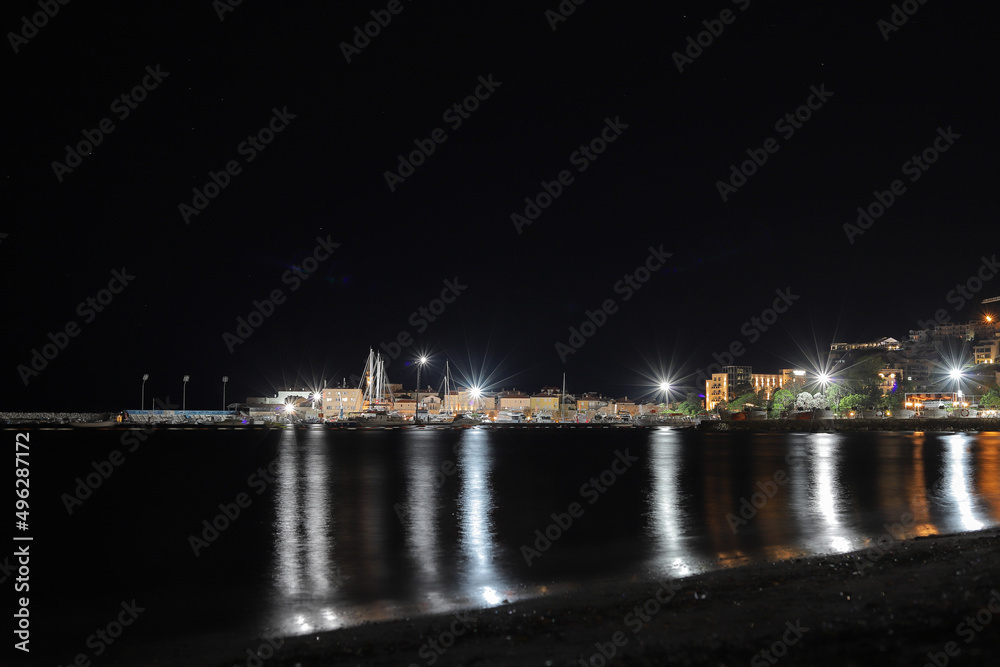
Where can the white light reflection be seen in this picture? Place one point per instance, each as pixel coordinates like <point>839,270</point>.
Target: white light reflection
<point>817,495</point>
<point>476,537</point>
<point>667,515</point>
<point>958,474</point>
<point>420,522</point>
<point>827,499</point>
<point>286,543</point>
<point>303,541</point>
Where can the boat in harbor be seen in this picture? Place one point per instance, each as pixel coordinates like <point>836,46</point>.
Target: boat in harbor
<point>447,413</point>
<point>373,418</point>
<point>466,419</point>
<point>508,417</point>
<point>377,400</point>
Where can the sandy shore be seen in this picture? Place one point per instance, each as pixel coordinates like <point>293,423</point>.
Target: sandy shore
<point>889,606</point>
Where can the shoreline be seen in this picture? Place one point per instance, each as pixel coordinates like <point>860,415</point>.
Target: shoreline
<point>912,599</point>
<point>853,425</point>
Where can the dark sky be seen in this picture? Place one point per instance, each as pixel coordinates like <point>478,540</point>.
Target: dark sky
<point>607,65</point>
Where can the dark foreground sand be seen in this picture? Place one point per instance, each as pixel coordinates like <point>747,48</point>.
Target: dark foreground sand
<point>928,595</point>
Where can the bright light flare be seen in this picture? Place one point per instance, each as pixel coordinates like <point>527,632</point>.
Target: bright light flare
<point>289,407</point>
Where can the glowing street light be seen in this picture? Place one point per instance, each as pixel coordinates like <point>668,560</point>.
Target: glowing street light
<point>142,392</point>
<point>416,406</point>
<point>184,393</point>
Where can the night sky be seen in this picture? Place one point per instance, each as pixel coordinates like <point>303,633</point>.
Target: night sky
<point>598,102</point>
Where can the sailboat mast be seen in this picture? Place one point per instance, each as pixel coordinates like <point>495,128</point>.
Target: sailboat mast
<point>447,390</point>
<point>562,400</point>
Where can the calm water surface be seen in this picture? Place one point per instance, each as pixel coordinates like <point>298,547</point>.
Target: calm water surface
<point>356,526</point>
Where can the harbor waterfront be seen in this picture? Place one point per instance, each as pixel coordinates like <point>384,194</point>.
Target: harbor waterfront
<point>226,536</point>
<point>106,420</point>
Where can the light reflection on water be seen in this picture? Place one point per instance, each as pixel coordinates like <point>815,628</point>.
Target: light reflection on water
<point>826,495</point>
<point>386,526</point>
<point>667,518</point>
<point>476,538</point>
<point>305,564</point>
<point>958,476</point>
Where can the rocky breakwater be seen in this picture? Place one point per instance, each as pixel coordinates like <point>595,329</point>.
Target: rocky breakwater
<point>950,424</point>
<point>53,417</point>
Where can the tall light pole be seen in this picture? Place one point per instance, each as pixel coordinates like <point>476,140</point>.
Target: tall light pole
<point>142,393</point>
<point>824,383</point>
<point>225,379</point>
<point>184,394</point>
<point>416,406</point>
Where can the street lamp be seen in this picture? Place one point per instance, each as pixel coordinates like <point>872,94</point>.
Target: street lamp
<point>225,379</point>
<point>416,406</point>
<point>184,394</point>
<point>142,393</point>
